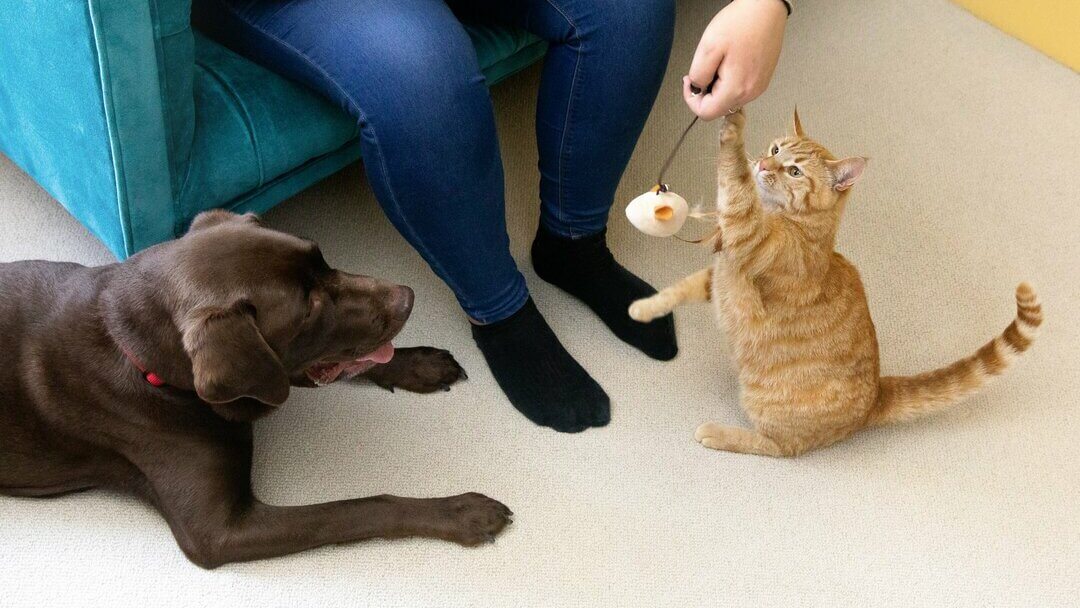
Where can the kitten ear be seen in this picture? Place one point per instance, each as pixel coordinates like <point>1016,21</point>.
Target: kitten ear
<point>846,172</point>
<point>798,124</point>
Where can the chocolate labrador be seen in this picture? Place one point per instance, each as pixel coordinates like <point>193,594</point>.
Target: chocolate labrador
<point>145,376</point>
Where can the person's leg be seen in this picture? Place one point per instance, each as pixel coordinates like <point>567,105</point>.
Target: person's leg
<point>603,70</point>
<point>408,72</point>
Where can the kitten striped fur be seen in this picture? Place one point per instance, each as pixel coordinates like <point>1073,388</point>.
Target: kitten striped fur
<point>796,313</point>
<point>904,398</point>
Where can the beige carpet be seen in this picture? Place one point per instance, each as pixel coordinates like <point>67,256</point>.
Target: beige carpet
<point>973,187</point>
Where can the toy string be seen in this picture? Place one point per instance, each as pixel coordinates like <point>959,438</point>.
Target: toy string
<point>662,187</point>
<point>713,237</point>
<point>671,157</point>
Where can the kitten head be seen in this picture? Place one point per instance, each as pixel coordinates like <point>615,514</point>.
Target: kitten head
<point>799,176</point>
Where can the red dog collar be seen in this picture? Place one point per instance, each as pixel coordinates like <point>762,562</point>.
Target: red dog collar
<point>151,378</point>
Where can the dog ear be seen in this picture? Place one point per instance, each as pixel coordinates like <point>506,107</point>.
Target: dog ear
<point>216,217</point>
<point>229,357</point>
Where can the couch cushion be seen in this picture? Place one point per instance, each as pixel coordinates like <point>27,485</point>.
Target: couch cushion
<point>171,21</point>
<point>251,126</point>
<point>502,51</point>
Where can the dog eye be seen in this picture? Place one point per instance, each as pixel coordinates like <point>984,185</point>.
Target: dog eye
<point>774,150</point>
<point>793,171</point>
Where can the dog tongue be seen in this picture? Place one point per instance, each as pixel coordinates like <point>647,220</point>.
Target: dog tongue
<point>383,354</point>
<point>326,373</point>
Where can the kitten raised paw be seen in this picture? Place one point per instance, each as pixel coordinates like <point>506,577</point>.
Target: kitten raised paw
<point>732,128</point>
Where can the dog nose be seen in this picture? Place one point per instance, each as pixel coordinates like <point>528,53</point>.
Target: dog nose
<point>403,300</point>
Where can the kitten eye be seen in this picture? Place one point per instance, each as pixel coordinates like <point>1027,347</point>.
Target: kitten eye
<point>774,150</point>
<point>793,171</point>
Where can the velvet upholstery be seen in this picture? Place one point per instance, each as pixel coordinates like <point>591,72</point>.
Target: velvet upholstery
<point>135,123</point>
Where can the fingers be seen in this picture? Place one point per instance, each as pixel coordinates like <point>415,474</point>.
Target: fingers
<point>711,65</point>
<point>732,90</point>
<point>723,99</point>
<point>726,95</point>
<point>707,59</point>
<point>692,99</point>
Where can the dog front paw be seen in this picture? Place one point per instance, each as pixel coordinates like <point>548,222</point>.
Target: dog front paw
<point>471,519</point>
<point>421,369</point>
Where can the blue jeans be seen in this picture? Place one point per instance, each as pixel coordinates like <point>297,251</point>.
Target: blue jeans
<point>407,70</point>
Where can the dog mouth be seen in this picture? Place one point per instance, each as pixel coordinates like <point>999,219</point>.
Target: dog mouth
<point>328,372</point>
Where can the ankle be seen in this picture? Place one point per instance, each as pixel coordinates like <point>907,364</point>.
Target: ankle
<point>586,269</point>
<point>560,256</point>
<point>547,238</point>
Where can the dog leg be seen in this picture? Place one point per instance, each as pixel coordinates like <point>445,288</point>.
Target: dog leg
<point>419,370</point>
<point>692,289</point>
<point>204,492</point>
<point>259,531</point>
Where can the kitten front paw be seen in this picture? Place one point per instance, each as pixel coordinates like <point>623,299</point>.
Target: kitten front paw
<point>732,128</point>
<point>645,310</point>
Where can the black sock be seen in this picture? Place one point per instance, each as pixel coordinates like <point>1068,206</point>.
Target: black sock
<point>539,377</point>
<point>586,270</point>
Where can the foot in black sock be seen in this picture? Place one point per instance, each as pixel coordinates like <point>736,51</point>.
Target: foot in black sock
<point>539,377</point>
<point>586,269</point>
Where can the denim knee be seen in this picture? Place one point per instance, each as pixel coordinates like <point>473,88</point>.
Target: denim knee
<point>428,100</point>
<point>425,77</point>
<point>640,28</point>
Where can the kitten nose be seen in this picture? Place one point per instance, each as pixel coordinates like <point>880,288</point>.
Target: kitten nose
<point>761,165</point>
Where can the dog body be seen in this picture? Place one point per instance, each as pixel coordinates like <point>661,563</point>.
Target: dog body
<point>144,376</point>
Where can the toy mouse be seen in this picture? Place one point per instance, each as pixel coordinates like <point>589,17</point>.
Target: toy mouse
<point>658,212</point>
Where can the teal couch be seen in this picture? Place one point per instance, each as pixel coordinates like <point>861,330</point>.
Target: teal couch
<point>135,123</point>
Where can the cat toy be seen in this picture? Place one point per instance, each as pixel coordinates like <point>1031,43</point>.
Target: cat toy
<point>661,212</point>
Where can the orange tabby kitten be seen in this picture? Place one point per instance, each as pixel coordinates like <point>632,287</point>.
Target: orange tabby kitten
<point>796,312</point>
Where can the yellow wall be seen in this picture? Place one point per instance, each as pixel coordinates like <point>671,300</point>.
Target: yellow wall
<point>1052,26</point>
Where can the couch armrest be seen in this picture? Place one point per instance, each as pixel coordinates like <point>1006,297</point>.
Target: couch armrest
<point>93,105</point>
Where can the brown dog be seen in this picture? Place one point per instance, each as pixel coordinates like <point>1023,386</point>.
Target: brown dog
<point>145,376</point>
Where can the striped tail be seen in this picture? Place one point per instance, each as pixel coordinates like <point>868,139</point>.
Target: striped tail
<point>904,398</point>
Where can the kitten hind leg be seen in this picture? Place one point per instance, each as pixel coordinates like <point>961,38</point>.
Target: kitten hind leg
<point>734,439</point>
<point>694,288</point>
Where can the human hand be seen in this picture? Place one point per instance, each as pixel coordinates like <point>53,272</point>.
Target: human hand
<point>739,51</point>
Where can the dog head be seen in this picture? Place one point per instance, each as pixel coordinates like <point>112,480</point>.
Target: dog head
<point>257,311</point>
